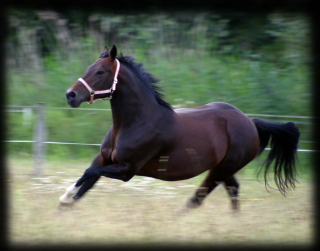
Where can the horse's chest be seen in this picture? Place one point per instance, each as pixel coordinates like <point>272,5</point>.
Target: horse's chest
<point>107,154</point>
<point>110,155</point>
<point>114,157</point>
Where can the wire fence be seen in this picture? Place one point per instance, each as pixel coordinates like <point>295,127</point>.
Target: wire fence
<point>109,110</point>
<point>97,109</point>
<point>85,144</point>
<point>40,139</point>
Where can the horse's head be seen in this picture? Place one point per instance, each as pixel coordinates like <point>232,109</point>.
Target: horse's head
<point>101,75</point>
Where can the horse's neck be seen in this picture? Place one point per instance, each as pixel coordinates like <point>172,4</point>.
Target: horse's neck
<point>132,103</point>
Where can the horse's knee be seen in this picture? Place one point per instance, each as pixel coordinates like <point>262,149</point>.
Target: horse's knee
<point>232,186</point>
<point>236,184</point>
<point>127,177</point>
<point>127,174</point>
<point>233,191</point>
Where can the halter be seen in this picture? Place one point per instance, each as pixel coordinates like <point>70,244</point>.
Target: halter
<point>111,90</point>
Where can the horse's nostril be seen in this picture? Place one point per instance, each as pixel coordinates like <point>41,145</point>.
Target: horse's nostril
<point>71,94</point>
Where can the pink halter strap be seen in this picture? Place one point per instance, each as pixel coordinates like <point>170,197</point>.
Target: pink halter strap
<point>111,90</point>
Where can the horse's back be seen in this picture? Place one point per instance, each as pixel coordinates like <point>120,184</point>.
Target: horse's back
<point>212,111</point>
<point>207,107</point>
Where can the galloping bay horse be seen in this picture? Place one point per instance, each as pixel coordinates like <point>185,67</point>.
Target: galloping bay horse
<point>149,138</point>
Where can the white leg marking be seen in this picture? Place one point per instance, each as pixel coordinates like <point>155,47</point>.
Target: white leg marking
<point>66,197</point>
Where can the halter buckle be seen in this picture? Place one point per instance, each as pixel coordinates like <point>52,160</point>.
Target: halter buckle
<point>111,93</point>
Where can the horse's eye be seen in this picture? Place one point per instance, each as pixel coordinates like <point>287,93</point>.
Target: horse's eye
<point>100,72</point>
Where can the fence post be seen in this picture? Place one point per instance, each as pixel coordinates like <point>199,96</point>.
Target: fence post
<point>39,139</point>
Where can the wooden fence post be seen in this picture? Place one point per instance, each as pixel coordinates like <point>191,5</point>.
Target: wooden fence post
<point>40,136</point>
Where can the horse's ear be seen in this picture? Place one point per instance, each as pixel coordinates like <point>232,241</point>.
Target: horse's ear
<point>105,49</point>
<point>113,53</point>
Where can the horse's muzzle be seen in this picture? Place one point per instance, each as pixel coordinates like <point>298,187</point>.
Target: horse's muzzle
<point>72,99</point>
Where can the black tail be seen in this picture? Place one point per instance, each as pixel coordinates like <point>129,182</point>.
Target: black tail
<point>284,144</point>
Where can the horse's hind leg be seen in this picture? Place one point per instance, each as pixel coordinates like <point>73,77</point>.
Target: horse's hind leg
<point>205,188</point>
<point>232,187</point>
<point>211,182</point>
<point>219,175</point>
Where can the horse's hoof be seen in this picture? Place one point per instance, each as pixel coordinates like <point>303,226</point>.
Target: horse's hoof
<point>235,204</point>
<point>193,203</point>
<point>66,201</point>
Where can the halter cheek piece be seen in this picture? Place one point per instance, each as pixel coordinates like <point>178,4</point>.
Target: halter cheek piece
<point>111,90</point>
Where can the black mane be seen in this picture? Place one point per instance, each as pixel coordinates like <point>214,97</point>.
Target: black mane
<point>145,77</point>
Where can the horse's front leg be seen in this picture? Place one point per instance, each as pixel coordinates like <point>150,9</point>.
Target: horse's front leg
<point>115,171</point>
<point>122,172</point>
<point>67,197</point>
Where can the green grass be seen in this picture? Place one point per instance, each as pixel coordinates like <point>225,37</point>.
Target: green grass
<point>150,211</point>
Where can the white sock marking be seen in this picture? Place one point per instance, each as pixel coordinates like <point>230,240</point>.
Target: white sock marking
<point>66,197</point>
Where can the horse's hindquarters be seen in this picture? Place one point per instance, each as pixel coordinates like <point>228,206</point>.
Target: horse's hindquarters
<point>243,140</point>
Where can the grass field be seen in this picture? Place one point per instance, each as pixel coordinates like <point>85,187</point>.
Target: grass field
<point>149,211</point>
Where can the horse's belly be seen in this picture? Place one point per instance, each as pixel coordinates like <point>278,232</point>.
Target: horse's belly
<point>184,165</point>
<point>194,154</point>
<point>166,171</point>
